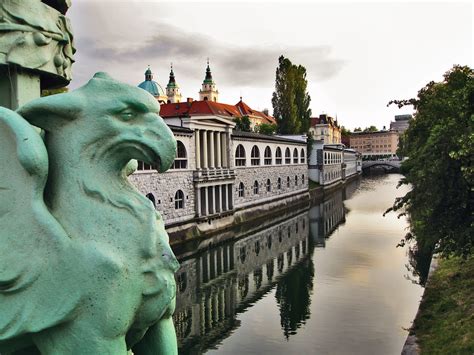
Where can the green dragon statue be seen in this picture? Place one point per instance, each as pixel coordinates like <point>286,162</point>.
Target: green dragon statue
<point>85,262</point>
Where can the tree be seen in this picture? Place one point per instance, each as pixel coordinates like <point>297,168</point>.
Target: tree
<point>242,124</point>
<point>290,100</point>
<point>266,128</point>
<point>439,144</point>
<point>370,129</point>
<point>345,132</point>
<point>302,98</point>
<point>357,129</point>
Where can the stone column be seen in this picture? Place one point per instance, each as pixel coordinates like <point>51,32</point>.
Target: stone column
<point>212,207</point>
<point>227,149</point>
<point>229,188</point>
<point>206,201</point>
<point>220,197</point>
<point>218,150</point>
<point>224,150</point>
<point>198,202</point>
<point>204,149</point>
<point>211,150</point>
<point>197,137</point>
<point>225,204</point>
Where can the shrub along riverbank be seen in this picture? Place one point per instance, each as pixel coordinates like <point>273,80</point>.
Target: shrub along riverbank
<point>445,320</point>
<point>439,147</point>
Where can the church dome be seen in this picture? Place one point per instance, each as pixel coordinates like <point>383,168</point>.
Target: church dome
<point>152,86</point>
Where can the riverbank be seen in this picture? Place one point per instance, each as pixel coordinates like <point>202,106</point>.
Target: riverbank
<point>445,321</point>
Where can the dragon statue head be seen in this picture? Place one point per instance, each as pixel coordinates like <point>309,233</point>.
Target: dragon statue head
<point>122,123</point>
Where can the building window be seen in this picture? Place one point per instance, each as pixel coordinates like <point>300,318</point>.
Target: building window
<point>179,200</point>
<point>181,161</point>
<point>302,179</point>
<point>278,156</point>
<point>241,189</point>
<point>302,160</point>
<point>240,156</point>
<point>279,184</point>
<point>255,187</point>
<point>269,185</point>
<point>288,181</point>
<point>255,156</point>
<point>151,197</point>
<point>287,156</point>
<point>295,156</point>
<point>268,156</point>
<point>296,180</point>
<point>144,166</point>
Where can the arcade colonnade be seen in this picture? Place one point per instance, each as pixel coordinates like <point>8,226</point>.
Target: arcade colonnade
<point>212,149</point>
<point>214,186</point>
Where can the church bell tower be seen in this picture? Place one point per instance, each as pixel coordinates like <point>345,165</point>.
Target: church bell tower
<point>209,90</point>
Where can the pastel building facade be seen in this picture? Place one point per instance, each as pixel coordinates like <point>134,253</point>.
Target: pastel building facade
<point>375,145</point>
<point>325,128</point>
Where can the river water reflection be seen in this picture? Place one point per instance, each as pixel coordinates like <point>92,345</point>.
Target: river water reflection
<point>327,280</point>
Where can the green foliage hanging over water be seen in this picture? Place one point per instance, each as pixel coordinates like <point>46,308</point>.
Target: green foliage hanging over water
<point>439,145</point>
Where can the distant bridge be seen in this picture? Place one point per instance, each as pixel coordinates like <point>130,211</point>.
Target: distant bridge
<point>387,165</point>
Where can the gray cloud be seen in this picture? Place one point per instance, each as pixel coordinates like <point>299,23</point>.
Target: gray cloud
<point>237,65</point>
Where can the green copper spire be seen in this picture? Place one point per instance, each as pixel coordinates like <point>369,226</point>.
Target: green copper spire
<point>172,81</point>
<point>208,78</point>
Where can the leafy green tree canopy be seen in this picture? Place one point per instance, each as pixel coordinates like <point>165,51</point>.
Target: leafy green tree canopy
<point>439,145</point>
<point>370,129</point>
<point>266,128</point>
<point>290,100</point>
<point>242,124</point>
<point>345,132</point>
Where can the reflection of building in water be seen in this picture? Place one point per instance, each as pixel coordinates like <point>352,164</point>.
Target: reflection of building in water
<point>224,280</point>
<point>325,217</point>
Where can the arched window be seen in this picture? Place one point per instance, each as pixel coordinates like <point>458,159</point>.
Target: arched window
<point>287,156</point>
<point>295,156</point>
<point>181,161</point>
<point>288,181</point>
<point>179,200</point>
<point>302,157</point>
<point>255,156</point>
<point>302,179</point>
<point>268,156</point>
<point>151,197</point>
<point>241,189</point>
<point>278,156</point>
<point>296,180</point>
<point>279,184</point>
<point>269,185</point>
<point>255,187</point>
<point>240,156</point>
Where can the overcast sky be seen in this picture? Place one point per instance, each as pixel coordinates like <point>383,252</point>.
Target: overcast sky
<point>358,55</point>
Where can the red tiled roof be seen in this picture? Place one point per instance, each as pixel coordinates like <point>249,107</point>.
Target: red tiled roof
<point>196,108</point>
<point>246,110</point>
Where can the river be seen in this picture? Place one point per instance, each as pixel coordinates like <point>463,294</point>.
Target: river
<point>323,280</point>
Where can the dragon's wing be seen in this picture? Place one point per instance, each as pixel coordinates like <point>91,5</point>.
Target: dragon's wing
<point>30,237</point>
